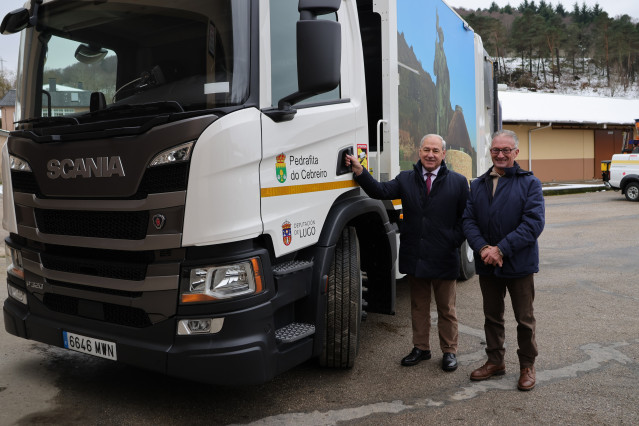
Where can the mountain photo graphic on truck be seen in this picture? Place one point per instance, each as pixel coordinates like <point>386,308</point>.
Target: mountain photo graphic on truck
<point>85,167</point>
<point>437,85</point>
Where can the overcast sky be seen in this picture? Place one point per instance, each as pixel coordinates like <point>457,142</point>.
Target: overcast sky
<point>9,44</point>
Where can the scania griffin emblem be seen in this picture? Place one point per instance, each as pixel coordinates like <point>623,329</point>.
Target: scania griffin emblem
<point>158,221</point>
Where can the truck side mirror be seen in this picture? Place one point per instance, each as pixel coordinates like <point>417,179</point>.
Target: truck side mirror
<point>319,46</point>
<point>319,52</point>
<point>15,21</point>
<point>20,19</point>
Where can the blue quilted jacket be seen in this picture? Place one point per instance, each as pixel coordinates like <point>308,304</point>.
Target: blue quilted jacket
<point>512,220</point>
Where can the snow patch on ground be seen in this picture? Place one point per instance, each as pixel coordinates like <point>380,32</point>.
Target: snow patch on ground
<point>592,82</point>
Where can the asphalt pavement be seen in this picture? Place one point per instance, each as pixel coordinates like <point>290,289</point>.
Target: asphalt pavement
<point>587,370</point>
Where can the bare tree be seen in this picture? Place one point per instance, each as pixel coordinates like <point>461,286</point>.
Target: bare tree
<point>7,82</point>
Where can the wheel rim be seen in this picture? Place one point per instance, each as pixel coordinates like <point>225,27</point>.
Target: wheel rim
<point>633,192</point>
<point>469,254</point>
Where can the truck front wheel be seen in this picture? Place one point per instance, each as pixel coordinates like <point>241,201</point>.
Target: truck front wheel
<point>344,304</point>
<point>632,191</point>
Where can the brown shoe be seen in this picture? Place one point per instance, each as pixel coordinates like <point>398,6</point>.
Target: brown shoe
<point>488,370</point>
<point>526,379</point>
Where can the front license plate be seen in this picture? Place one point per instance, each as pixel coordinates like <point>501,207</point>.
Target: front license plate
<point>89,345</point>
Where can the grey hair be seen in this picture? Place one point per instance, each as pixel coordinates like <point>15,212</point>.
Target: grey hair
<point>508,133</point>
<point>421,143</point>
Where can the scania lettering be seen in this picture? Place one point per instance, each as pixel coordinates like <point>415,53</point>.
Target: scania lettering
<point>175,190</point>
<point>85,167</point>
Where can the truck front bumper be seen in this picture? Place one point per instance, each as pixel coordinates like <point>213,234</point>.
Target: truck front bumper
<point>243,352</point>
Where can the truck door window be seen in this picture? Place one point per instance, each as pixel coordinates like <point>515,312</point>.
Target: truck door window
<point>284,15</point>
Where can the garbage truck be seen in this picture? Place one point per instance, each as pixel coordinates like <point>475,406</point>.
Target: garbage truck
<point>175,191</point>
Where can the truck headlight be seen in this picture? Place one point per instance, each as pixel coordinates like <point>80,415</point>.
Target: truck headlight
<point>13,258</point>
<point>17,294</point>
<point>17,163</point>
<point>173,155</point>
<point>220,282</point>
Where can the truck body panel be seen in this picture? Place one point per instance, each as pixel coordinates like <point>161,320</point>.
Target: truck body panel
<point>223,201</point>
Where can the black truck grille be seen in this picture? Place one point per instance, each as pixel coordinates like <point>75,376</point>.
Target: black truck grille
<point>115,225</point>
<point>161,179</point>
<point>24,182</point>
<point>97,267</point>
<point>107,312</point>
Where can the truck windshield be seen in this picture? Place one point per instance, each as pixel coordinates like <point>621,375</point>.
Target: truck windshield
<point>97,57</point>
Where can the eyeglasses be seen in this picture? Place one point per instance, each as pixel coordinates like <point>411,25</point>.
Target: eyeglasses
<point>506,151</point>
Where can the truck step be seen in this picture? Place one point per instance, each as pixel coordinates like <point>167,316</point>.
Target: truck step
<point>293,332</point>
<point>291,266</point>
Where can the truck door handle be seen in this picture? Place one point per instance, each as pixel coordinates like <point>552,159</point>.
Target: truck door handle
<point>342,169</point>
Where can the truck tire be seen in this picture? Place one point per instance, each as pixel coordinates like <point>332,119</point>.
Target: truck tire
<point>632,191</point>
<point>466,262</point>
<point>344,304</point>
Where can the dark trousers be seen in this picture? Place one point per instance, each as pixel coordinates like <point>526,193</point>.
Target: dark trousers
<point>522,295</point>
<point>420,296</point>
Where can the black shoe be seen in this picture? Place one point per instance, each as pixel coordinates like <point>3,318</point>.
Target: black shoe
<point>415,356</point>
<point>449,362</point>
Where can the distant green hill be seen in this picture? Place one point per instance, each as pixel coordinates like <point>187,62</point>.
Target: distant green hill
<point>556,46</point>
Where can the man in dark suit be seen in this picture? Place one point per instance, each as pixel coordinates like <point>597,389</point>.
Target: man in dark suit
<point>433,201</point>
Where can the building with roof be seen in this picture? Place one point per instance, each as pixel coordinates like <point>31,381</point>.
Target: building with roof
<point>565,137</point>
<point>7,110</point>
<point>65,100</point>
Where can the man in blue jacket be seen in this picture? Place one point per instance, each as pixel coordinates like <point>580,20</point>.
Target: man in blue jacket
<point>433,201</point>
<point>503,219</point>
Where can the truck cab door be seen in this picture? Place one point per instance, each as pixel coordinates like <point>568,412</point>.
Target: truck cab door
<point>300,176</point>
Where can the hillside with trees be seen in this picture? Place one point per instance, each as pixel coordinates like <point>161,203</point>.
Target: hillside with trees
<point>543,47</point>
<point>538,46</point>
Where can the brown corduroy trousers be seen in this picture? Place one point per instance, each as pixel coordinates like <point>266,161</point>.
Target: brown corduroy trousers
<point>522,295</point>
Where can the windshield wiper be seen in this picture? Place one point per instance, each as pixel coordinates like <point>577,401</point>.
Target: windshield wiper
<point>112,112</point>
<point>136,109</point>
<point>49,121</point>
